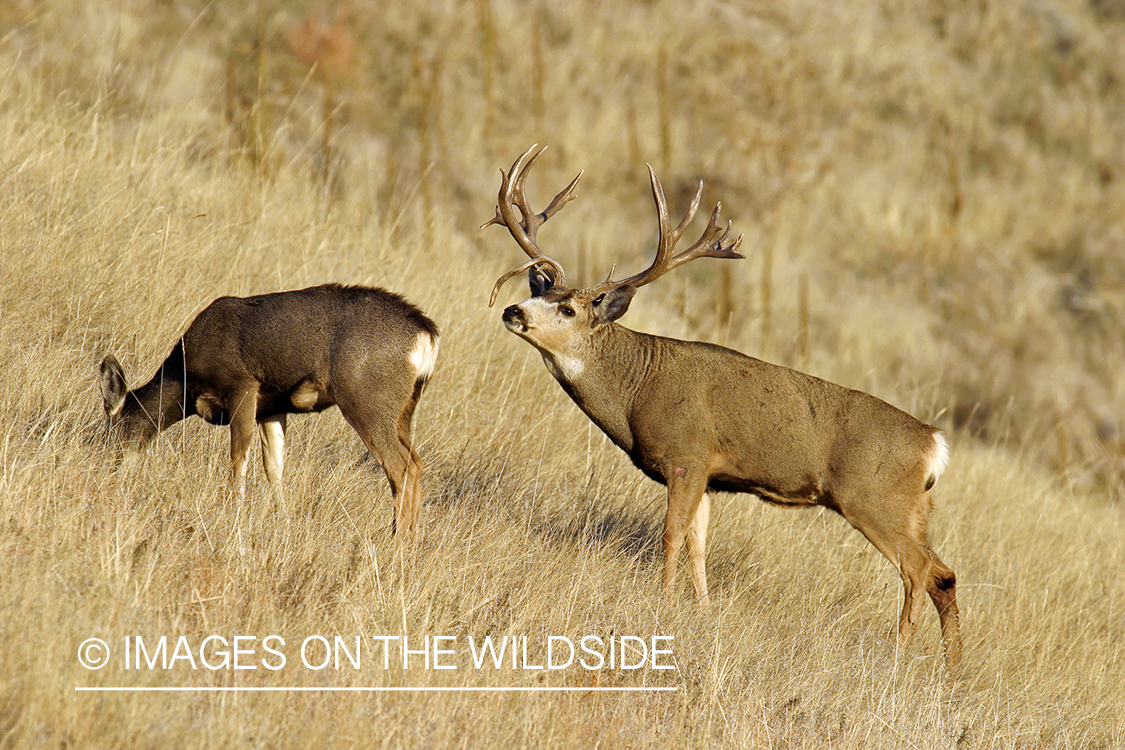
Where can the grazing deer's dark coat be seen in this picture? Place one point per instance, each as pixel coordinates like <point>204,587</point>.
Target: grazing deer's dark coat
<point>254,360</point>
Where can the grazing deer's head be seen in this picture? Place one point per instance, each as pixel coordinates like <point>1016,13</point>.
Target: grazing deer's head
<point>128,430</point>
<point>558,319</point>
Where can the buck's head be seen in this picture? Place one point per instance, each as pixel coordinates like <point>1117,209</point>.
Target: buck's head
<point>558,319</point>
<point>129,426</point>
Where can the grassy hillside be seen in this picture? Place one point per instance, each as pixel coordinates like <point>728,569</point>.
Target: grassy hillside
<point>933,196</point>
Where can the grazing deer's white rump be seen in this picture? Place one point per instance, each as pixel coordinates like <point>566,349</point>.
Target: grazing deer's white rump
<point>254,360</point>
<point>423,357</point>
<point>698,417</point>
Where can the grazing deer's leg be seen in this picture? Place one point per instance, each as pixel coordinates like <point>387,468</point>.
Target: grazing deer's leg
<point>410,501</point>
<point>243,408</point>
<point>403,475</point>
<point>401,465</point>
<point>685,494</point>
<point>271,431</point>
<point>697,548</point>
<point>408,505</point>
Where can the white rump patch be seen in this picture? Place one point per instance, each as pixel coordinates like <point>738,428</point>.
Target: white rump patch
<point>423,357</point>
<point>939,459</point>
<point>565,369</point>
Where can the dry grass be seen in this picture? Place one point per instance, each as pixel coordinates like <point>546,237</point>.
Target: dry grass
<point>948,176</point>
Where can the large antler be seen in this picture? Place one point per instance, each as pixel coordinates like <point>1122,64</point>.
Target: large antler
<point>525,228</point>
<point>711,245</point>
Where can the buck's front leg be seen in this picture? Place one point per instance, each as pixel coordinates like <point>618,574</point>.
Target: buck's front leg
<point>686,519</point>
<point>697,549</point>
<point>243,408</point>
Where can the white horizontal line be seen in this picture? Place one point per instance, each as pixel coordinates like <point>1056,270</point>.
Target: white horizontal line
<point>304,689</point>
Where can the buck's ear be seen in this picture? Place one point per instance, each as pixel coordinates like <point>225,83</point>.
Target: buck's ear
<point>112,380</point>
<point>611,305</point>
<point>540,280</point>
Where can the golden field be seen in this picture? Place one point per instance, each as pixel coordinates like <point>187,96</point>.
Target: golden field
<point>933,202</point>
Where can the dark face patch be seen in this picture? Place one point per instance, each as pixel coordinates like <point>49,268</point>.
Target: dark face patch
<point>557,294</point>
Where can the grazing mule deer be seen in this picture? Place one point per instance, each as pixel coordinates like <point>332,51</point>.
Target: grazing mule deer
<point>701,418</point>
<point>247,360</point>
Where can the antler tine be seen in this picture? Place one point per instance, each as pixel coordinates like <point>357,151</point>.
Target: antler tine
<point>515,193</point>
<point>709,247</point>
<point>683,225</point>
<point>566,195</point>
<point>532,220</point>
<point>508,187</point>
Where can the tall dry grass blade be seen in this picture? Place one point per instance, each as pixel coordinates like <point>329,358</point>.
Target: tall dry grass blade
<point>765,296</point>
<point>803,331</point>
<point>664,107</point>
<point>487,32</point>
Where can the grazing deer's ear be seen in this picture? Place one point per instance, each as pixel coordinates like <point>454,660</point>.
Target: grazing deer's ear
<point>112,379</point>
<point>540,280</point>
<point>612,305</point>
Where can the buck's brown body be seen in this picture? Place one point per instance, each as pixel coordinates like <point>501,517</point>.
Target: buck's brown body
<point>768,409</point>
<point>247,361</point>
<point>698,417</point>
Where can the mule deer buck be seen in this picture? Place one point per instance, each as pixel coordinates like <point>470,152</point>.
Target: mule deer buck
<point>701,418</point>
<point>247,360</point>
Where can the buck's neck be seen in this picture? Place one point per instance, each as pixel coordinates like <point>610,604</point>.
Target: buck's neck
<point>603,374</point>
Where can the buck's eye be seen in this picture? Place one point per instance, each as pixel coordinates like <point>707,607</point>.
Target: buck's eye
<point>567,310</point>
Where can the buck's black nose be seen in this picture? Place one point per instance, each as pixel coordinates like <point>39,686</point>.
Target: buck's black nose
<point>512,314</point>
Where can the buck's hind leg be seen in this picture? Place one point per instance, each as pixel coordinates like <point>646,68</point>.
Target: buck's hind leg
<point>901,539</point>
<point>942,588</point>
<point>897,528</point>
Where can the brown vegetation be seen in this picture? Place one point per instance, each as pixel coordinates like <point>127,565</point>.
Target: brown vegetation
<point>933,196</point>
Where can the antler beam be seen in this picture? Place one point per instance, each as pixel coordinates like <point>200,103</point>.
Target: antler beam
<point>525,228</point>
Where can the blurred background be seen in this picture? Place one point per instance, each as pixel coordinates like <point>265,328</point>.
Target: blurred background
<point>932,194</point>
<point>934,187</point>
